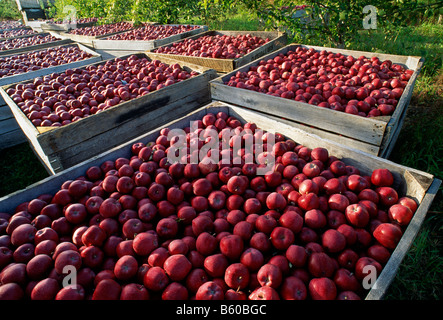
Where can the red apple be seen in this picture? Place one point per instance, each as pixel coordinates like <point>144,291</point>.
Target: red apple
<point>388,235</point>
<point>322,289</point>
<point>293,289</point>
<point>209,291</point>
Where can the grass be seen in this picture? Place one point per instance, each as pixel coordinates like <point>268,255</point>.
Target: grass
<point>20,168</point>
<point>420,146</point>
<point>9,10</point>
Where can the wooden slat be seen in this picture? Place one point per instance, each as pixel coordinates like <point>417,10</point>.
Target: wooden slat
<point>63,27</point>
<point>362,129</point>
<point>7,125</point>
<point>5,112</point>
<point>365,147</point>
<point>12,138</point>
<point>118,134</point>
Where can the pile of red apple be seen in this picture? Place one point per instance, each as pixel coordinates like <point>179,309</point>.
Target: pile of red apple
<point>61,98</point>
<point>153,32</point>
<point>35,60</point>
<point>16,33</point>
<point>101,30</point>
<point>143,228</point>
<point>10,24</point>
<point>80,20</point>
<point>218,46</point>
<point>362,86</point>
<point>17,43</point>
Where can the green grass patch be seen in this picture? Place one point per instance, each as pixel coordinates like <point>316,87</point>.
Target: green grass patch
<point>20,168</point>
<point>9,10</point>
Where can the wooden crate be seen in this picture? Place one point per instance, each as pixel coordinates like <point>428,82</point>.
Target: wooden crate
<point>278,40</point>
<point>65,27</point>
<point>10,132</point>
<point>86,40</point>
<point>373,135</point>
<point>41,72</point>
<point>13,29</point>
<point>38,46</point>
<point>62,147</point>
<point>135,45</point>
<point>417,184</point>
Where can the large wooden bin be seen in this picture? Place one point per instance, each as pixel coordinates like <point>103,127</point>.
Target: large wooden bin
<point>376,135</point>
<point>59,148</point>
<point>277,40</point>
<point>65,26</point>
<point>414,183</point>
<point>37,46</point>
<point>139,45</point>
<point>10,132</point>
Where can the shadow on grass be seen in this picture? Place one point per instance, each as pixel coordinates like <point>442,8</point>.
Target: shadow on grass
<point>20,168</point>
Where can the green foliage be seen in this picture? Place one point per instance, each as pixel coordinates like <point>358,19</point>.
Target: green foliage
<point>166,11</point>
<point>9,10</point>
<point>84,8</point>
<point>336,22</point>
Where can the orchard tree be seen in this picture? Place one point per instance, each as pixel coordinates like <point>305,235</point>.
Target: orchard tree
<point>336,22</point>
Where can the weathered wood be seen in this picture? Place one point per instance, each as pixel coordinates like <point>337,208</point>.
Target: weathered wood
<point>278,40</point>
<point>45,71</point>
<point>64,27</point>
<point>125,132</point>
<point>10,132</point>
<point>379,133</point>
<point>61,147</point>
<point>369,148</point>
<point>139,45</point>
<point>368,130</point>
<point>12,138</point>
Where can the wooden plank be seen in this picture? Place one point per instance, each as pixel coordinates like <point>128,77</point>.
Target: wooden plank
<point>368,130</point>
<point>12,138</point>
<point>375,131</point>
<point>365,147</point>
<point>389,271</point>
<point>64,27</point>
<point>278,40</point>
<point>136,45</point>
<point>7,125</point>
<point>5,112</point>
<point>120,134</point>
